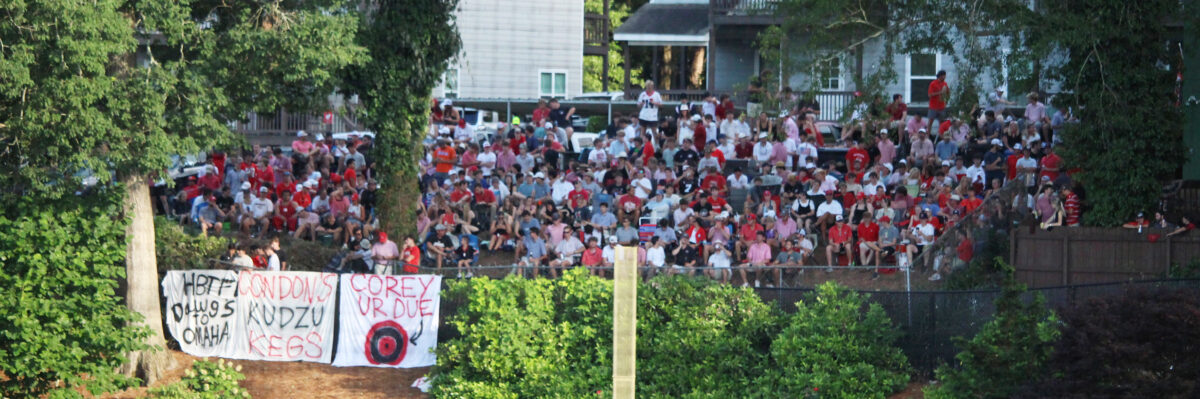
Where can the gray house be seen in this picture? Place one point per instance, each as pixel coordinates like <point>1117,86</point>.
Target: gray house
<point>726,30</point>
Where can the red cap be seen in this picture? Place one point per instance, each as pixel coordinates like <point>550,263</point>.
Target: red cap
<point>751,217</point>
<point>861,195</point>
<point>885,219</point>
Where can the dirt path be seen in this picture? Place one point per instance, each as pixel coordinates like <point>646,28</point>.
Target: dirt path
<point>287,380</point>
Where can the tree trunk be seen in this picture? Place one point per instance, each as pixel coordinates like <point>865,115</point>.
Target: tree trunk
<point>141,288</point>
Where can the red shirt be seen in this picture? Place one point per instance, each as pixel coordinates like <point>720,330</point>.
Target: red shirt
<point>720,156</point>
<point>696,233</point>
<point>285,187</point>
<point>744,149</point>
<point>212,181</point>
<point>628,199</point>
<point>944,126</point>
<point>444,154</point>
<point>302,198</point>
<point>351,175</point>
<point>717,203</point>
<point>1051,161</point>
<point>966,249</point>
<point>648,153</point>
<point>971,203</point>
<point>540,115</point>
<point>1071,206</point>
<point>840,235</point>
<point>1012,165</point>
<point>749,230</point>
<point>700,136</point>
<point>192,191</point>
<point>515,143</point>
<point>592,257</point>
<point>897,110</point>
<point>458,195</point>
<point>485,197</point>
<point>712,178</point>
<point>868,231</point>
<point>857,159</point>
<point>937,102</point>
<point>579,198</point>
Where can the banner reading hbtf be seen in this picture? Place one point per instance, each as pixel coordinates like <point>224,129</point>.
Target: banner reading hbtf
<point>384,321</point>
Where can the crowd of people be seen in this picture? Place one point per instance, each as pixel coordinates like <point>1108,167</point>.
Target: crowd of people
<point>695,187</point>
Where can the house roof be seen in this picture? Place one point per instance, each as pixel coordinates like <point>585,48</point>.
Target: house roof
<point>666,24</point>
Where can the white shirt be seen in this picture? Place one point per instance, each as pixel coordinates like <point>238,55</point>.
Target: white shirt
<point>762,151</point>
<point>609,254</point>
<point>630,133</point>
<point>924,233</point>
<point>656,256</point>
<point>975,174</point>
<point>709,108</point>
<point>560,189</point>
<point>642,188</point>
<point>568,246</point>
<point>728,149</point>
<point>649,104</point>
<point>484,159</point>
<point>273,263</point>
<point>806,150</point>
<point>260,207</point>
<point>598,156</point>
<point>685,133</point>
<point>718,259</point>
<point>681,214</point>
<point>829,207</point>
<point>736,181</point>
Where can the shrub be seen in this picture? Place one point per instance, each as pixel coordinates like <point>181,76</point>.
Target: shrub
<point>62,326</point>
<point>837,344</point>
<point>1142,344</point>
<point>697,338</point>
<point>597,124</point>
<point>178,250</point>
<point>1008,351</point>
<point>206,380</point>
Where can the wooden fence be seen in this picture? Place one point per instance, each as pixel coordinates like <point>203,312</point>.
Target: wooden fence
<point>1083,255</point>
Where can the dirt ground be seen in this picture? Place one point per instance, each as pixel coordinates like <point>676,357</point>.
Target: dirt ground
<point>287,380</point>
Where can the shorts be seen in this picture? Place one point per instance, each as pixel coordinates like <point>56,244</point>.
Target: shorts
<point>936,115</point>
<point>887,251</point>
<point>383,270</point>
<point>647,124</point>
<point>790,257</point>
<point>862,246</point>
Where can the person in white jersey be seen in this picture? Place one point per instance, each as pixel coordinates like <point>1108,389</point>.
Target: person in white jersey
<point>649,101</point>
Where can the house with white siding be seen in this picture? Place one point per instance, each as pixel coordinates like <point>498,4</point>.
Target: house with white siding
<point>517,49</point>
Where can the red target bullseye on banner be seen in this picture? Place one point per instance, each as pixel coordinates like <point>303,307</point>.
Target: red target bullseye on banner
<point>386,343</point>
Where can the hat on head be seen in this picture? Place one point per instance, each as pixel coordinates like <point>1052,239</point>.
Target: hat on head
<point>885,219</point>
<point>861,195</point>
<point>946,163</point>
<point>1141,215</point>
<point>365,244</point>
<point>762,135</point>
<point>997,142</point>
<point>838,218</point>
<point>810,165</point>
<point>539,175</point>
<point>904,161</point>
<point>447,102</point>
<point>889,167</point>
<point>612,238</point>
<point>439,227</point>
<point>883,131</point>
<point>1045,178</point>
<point>320,137</point>
<point>955,197</point>
<point>801,232</point>
<point>245,185</point>
<point>921,130</point>
<point>696,118</point>
<point>301,133</point>
<point>1017,146</point>
<point>192,177</point>
<point>263,189</point>
<point>548,125</point>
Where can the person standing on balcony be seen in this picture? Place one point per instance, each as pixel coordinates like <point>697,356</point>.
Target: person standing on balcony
<point>939,92</point>
<point>648,103</point>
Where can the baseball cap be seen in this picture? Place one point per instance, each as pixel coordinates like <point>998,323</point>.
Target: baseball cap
<point>838,218</point>
<point>245,185</point>
<point>447,102</point>
<point>997,142</point>
<point>762,135</point>
<point>365,244</point>
<point>885,219</point>
<point>320,136</point>
<point>1017,146</point>
<point>612,238</point>
<point>955,197</point>
<point>548,125</point>
<point>883,131</point>
<point>889,167</point>
<point>263,189</point>
<point>439,227</point>
<point>696,118</point>
<point>539,175</point>
<point>921,130</point>
<point>945,163</point>
<point>301,133</point>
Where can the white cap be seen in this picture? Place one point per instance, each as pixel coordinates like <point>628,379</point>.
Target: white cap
<point>444,130</point>
<point>838,217</point>
<point>320,137</point>
<point>921,130</point>
<point>263,189</point>
<point>883,131</point>
<point>696,118</point>
<point>810,165</point>
<point>447,102</point>
<point>548,125</point>
<point>945,162</point>
<point>889,167</point>
<point>612,238</point>
<point>801,232</point>
<point>997,142</point>
<point>315,175</point>
<point>301,133</point>
<point>245,185</point>
<point>539,175</point>
<point>1017,146</point>
<point>955,197</point>
<point>762,135</point>
<point>311,184</point>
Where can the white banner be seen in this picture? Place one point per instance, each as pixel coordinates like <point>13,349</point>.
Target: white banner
<point>388,321</point>
<point>285,316</point>
<point>201,310</point>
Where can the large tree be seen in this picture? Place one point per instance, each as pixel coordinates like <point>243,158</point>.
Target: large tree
<point>409,53</point>
<point>111,89</point>
<point>1119,78</point>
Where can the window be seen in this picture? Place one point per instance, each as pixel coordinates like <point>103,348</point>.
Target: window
<point>450,83</point>
<point>922,70</point>
<point>829,74</point>
<point>552,84</point>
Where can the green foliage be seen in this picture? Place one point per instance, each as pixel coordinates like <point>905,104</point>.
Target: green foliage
<point>700,339</point>
<point>597,124</point>
<point>839,344</point>
<point>1117,85</point>
<point>593,67</point>
<point>62,325</point>
<point>527,338</point>
<point>205,380</point>
<point>1190,270</point>
<point>518,338</point>
<point>1008,351</point>
<point>409,53</point>
<point>1142,344</point>
<point>178,250</point>
<point>987,270</point>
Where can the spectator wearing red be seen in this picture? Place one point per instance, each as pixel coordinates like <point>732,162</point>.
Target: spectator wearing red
<point>840,236</point>
<point>747,232</point>
<point>286,210</point>
<point>857,159</point>
<point>939,90</point>
<point>1071,206</point>
<point>868,240</point>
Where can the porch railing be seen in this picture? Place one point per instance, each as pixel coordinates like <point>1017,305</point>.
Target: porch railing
<point>742,7</point>
<point>283,122</point>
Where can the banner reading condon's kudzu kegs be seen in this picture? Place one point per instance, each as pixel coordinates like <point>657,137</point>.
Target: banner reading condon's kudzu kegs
<point>385,321</point>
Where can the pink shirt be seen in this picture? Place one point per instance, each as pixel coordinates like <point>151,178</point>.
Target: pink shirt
<point>784,228</point>
<point>779,152</point>
<point>793,131</point>
<point>887,152</point>
<point>554,233</point>
<point>387,249</point>
<point>759,253</point>
<point>303,147</point>
<point>339,207</point>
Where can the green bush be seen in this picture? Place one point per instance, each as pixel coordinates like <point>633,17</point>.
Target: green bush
<point>987,270</point>
<point>700,339</point>
<point>1008,351</point>
<point>597,124</point>
<point>838,345</point>
<point>1190,270</point>
<point>178,250</point>
<point>205,380</point>
<point>62,325</point>
<point>518,338</point>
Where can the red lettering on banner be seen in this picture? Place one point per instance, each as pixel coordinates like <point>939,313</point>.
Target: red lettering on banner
<point>255,339</point>
<point>295,343</point>
<point>274,345</point>
<point>354,278</point>
<point>314,345</point>
<point>426,307</point>
<point>425,286</point>
<point>377,304</point>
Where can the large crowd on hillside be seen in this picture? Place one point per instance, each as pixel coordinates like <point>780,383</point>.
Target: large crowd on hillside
<point>697,185</point>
